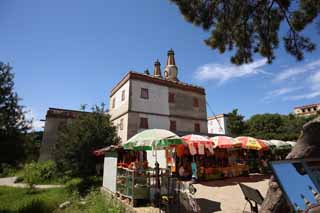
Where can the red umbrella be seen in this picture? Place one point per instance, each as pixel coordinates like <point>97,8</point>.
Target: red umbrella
<point>225,142</point>
<point>197,142</point>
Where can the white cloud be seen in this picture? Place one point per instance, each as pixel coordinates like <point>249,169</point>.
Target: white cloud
<point>280,92</point>
<point>36,124</point>
<point>223,73</point>
<point>314,89</point>
<point>292,72</point>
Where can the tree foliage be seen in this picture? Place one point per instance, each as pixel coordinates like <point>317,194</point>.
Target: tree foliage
<point>78,139</point>
<point>13,125</point>
<point>267,126</point>
<point>236,124</point>
<point>252,26</point>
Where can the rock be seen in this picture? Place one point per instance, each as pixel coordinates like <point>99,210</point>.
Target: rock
<point>308,146</point>
<point>64,205</point>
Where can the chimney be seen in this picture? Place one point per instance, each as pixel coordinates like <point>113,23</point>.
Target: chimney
<point>157,69</point>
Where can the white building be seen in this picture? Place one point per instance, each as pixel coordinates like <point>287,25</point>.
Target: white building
<point>140,101</point>
<point>218,124</point>
<point>306,110</point>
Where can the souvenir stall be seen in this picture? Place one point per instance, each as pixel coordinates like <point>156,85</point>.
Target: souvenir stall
<point>253,152</point>
<point>143,182</point>
<point>282,149</point>
<point>234,164</point>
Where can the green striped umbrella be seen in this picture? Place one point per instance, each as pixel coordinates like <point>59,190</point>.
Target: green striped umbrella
<point>152,139</point>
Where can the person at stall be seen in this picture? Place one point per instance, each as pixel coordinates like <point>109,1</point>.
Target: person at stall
<point>184,171</point>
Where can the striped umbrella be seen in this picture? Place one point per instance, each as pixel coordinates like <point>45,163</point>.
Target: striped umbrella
<point>197,142</point>
<point>281,145</point>
<point>252,143</point>
<point>225,142</point>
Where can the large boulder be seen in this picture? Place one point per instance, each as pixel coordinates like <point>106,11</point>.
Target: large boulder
<point>308,146</point>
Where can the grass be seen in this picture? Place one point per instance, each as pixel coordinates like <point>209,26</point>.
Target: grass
<point>21,200</point>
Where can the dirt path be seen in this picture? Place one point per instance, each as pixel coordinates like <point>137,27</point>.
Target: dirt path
<point>226,195</point>
<point>10,181</point>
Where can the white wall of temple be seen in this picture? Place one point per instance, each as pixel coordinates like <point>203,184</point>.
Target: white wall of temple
<point>155,121</point>
<point>120,105</point>
<point>157,101</point>
<point>218,125</point>
<point>122,132</point>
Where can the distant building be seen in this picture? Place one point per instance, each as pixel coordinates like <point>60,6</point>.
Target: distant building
<point>307,110</point>
<point>54,119</point>
<point>218,124</point>
<point>141,101</point>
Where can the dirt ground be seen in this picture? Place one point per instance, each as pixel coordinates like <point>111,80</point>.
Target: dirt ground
<point>226,195</point>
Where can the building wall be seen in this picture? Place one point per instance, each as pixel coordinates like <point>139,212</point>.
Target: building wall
<point>120,106</point>
<point>123,134</point>
<point>50,136</point>
<point>158,98</point>
<point>214,127</point>
<point>183,104</point>
<point>307,110</point>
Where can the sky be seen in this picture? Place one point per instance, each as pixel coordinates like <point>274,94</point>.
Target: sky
<point>68,53</point>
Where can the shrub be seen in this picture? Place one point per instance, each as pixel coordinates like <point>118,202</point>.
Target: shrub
<point>31,174</point>
<point>48,170</point>
<point>74,185</point>
<point>7,170</point>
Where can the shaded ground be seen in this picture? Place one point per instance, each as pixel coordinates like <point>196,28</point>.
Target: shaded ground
<point>10,181</point>
<point>226,195</point>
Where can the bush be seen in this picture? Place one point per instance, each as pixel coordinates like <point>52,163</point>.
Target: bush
<point>7,170</point>
<point>31,174</point>
<point>48,170</point>
<point>74,185</point>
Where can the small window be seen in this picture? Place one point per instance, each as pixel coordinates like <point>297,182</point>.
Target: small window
<point>196,127</point>
<point>121,124</point>
<point>144,123</point>
<point>144,93</point>
<point>195,102</point>
<point>173,126</point>
<point>171,97</point>
<point>123,95</point>
<point>113,103</point>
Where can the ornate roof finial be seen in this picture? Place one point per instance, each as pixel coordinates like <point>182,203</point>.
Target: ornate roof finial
<point>157,69</point>
<point>171,70</point>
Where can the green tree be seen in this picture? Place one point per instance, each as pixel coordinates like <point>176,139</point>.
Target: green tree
<point>265,126</point>
<point>13,125</point>
<point>236,124</point>
<point>253,26</point>
<point>78,139</point>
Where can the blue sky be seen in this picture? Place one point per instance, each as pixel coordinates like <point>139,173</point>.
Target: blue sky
<point>68,53</point>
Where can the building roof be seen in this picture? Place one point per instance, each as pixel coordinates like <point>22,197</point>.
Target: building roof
<point>156,80</point>
<point>307,106</point>
<point>63,113</point>
<point>217,116</point>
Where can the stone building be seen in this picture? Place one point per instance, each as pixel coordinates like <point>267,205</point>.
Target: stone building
<point>54,119</point>
<point>218,124</point>
<point>307,110</point>
<point>141,101</point>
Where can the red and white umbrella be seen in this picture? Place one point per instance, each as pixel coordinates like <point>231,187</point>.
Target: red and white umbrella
<point>197,142</point>
<point>225,142</point>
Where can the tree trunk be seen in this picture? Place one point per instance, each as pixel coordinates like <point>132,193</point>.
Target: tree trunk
<point>308,146</point>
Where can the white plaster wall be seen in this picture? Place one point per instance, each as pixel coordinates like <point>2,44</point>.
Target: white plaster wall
<point>214,127</point>
<point>155,121</point>
<point>158,98</point>
<point>120,106</point>
<point>124,132</point>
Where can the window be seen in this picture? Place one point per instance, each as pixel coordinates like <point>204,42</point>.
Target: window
<point>196,127</point>
<point>173,126</point>
<point>144,93</point>
<point>195,102</point>
<point>171,97</point>
<point>144,123</point>
<point>121,124</point>
<point>113,103</point>
<point>123,95</point>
